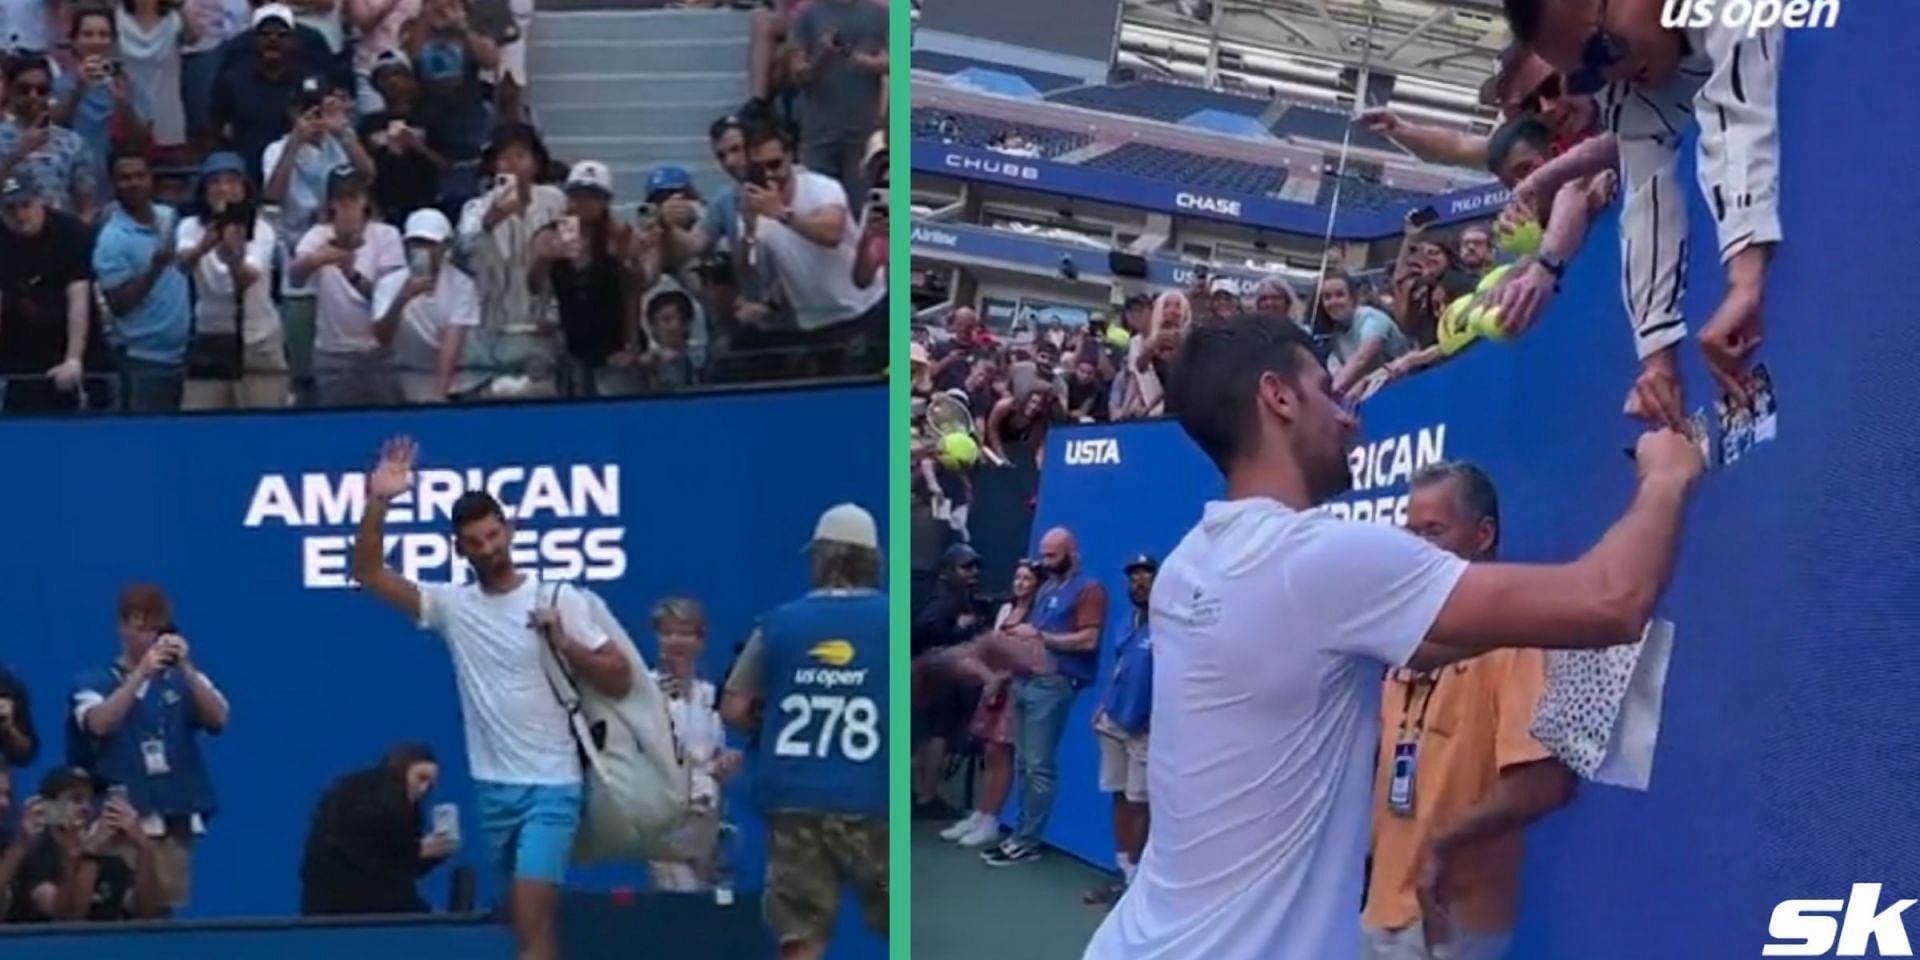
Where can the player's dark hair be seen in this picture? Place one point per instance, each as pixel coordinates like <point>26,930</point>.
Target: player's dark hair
<point>1523,18</point>
<point>1521,130</point>
<point>1216,375</point>
<point>474,506</point>
<point>1471,485</point>
<point>843,565</point>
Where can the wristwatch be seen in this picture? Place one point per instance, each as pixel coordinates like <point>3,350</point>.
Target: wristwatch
<point>1556,266</point>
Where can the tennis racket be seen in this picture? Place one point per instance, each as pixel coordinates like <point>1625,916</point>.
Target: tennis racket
<point>948,414</point>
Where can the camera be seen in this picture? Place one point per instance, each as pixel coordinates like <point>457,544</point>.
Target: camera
<point>757,175</point>
<point>238,214</point>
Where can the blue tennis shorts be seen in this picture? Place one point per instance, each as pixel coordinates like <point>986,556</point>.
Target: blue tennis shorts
<point>528,829</point>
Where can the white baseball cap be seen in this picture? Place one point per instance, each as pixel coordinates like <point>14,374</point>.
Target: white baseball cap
<point>274,11</point>
<point>591,173</point>
<point>1224,285</point>
<point>849,524</point>
<point>429,225</point>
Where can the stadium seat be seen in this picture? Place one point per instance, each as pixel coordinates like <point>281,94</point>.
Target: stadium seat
<point>947,64</point>
<point>969,130</point>
<point>1214,173</point>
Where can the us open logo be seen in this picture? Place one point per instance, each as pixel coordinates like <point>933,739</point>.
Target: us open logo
<point>1750,15</point>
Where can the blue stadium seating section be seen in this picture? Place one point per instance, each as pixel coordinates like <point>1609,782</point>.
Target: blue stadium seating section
<point>1165,163</point>
<point>969,130</point>
<point>1355,192</point>
<point>948,64</point>
<point>1328,126</point>
<point>1154,100</point>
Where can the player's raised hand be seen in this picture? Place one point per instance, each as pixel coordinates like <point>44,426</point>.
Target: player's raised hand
<point>393,475</point>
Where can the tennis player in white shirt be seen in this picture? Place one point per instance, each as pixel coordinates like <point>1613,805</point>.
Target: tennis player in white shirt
<point>1273,624</point>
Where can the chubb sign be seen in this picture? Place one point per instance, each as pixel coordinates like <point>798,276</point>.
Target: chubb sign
<point>566,521</point>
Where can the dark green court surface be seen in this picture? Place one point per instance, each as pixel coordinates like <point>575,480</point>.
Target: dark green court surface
<point>966,910</point>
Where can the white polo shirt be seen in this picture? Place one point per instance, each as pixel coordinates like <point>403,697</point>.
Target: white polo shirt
<point>1272,631</point>
<point>517,732</point>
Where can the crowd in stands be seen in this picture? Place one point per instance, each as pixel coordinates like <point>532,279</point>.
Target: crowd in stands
<point>211,205</point>
<point>1591,108</point>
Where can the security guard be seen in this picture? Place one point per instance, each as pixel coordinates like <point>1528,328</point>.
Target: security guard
<point>821,777</point>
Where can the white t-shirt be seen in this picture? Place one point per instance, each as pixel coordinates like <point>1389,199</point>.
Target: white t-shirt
<point>343,319</point>
<point>517,732</point>
<point>818,280</point>
<point>452,303</point>
<point>1272,630</point>
<point>213,283</point>
<point>306,194</point>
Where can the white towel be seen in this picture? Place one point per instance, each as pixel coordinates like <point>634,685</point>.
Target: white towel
<point>1601,711</point>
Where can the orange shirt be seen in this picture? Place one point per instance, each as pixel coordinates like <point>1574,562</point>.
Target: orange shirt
<point>1476,725</point>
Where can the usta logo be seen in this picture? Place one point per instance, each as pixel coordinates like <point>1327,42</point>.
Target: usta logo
<point>1800,928</point>
<point>1090,452</point>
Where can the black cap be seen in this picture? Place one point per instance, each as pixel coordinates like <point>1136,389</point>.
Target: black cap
<point>311,92</point>
<point>1137,300</point>
<point>1142,562</point>
<point>959,555</point>
<point>16,189</point>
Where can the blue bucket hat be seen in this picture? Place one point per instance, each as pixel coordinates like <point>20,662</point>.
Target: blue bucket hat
<point>216,164</point>
<point>668,179</point>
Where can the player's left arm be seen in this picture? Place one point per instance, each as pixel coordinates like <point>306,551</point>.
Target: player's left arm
<point>1532,782</point>
<point>1089,621</point>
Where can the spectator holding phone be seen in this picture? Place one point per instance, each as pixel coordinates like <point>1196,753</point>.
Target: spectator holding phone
<point>680,624</point>
<point>582,258</point>
<point>366,848</point>
<point>260,72</point>
<point>237,357</point>
<point>93,96</point>
<point>407,168</point>
<point>83,865</point>
<point>137,724</point>
<point>515,344</point>
<point>423,314</point>
<point>52,159</point>
<point>343,257</point>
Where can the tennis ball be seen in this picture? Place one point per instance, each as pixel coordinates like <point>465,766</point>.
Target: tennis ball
<point>1456,330</point>
<point>958,451</point>
<point>1493,278</point>
<point>1485,321</point>
<point>1523,240</point>
<point>1119,337</point>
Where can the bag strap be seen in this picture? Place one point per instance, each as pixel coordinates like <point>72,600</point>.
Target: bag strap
<point>566,691</point>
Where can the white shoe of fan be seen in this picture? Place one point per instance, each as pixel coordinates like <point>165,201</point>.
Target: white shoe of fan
<point>985,834</point>
<point>961,827</point>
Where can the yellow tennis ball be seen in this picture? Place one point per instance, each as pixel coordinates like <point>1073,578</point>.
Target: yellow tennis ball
<point>1485,321</point>
<point>1523,240</point>
<point>1118,336</point>
<point>1456,330</point>
<point>1493,278</point>
<point>958,451</point>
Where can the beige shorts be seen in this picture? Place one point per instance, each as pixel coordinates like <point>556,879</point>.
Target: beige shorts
<point>1123,766</point>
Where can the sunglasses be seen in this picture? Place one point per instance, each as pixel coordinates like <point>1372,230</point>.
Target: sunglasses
<point>1552,88</point>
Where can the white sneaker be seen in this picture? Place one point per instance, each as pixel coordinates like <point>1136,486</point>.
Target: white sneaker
<point>961,827</point>
<point>986,832</point>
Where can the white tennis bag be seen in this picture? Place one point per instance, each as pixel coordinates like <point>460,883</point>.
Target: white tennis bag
<point>638,786</point>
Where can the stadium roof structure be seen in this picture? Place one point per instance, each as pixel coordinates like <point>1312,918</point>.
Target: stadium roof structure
<point>1440,52</point>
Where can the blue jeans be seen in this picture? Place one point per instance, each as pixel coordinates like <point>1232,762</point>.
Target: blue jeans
<point>1041,706</point>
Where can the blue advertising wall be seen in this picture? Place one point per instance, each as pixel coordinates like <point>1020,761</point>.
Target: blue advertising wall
<point>1786,766</point>
<point>245,521</point>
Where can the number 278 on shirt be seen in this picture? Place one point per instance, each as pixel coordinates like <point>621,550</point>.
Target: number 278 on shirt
<point>848,725</point>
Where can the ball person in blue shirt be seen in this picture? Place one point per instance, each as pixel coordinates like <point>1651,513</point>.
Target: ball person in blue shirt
<point>811,684</point>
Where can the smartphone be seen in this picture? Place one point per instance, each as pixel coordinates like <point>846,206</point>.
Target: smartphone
<point>757,175</point>
<point>645,213</point>
<point>503,183</point>
<point>419,262</point>
<point>570,230</point>
<point>446,821</point>
<point>57,813</point>
<point>1425,216</point>
<point>877,201</point>
<point>118,792</point>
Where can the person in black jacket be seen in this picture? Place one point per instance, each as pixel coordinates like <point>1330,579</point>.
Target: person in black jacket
<point>366,848</point>
<point>955,615</point>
